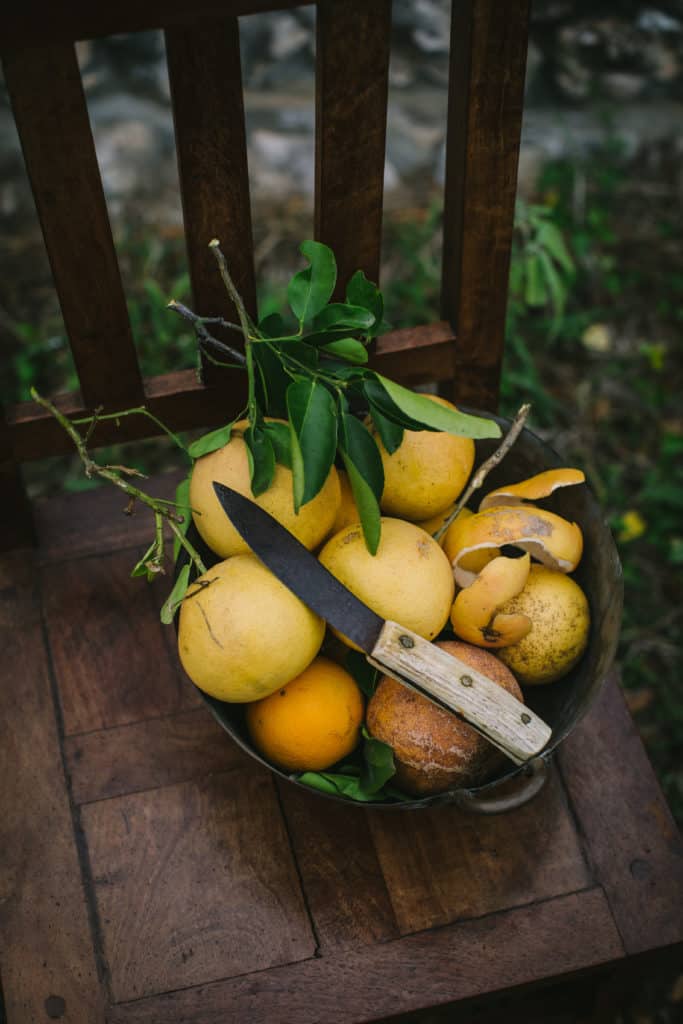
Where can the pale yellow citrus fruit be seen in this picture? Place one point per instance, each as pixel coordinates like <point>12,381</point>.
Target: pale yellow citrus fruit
<point>560,624</point>
<point>427,471</point>
<point>312,722</point>
<point>347,513</point>
<point>229,465</point>
<point>245,634</point>
<point>409,580</point>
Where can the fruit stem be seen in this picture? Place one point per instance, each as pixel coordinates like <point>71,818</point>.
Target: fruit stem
<point>486,467</point>
<point>205,339</point>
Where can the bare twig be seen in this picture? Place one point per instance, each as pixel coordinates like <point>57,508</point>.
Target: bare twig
<point>245,320</point>
<point>486,467</point>
<point>204,337</point>
<point>139,410</point>
<point>160,507</point>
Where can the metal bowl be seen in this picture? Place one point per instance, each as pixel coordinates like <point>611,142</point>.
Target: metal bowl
<point>561,704</point>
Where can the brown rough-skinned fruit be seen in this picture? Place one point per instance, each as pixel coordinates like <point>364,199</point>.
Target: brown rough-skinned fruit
<point>433,750</point>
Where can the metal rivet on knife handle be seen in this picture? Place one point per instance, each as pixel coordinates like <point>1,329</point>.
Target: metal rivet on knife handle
<point>406,641</point>
<point>525,718</point>
<point>466,680</point>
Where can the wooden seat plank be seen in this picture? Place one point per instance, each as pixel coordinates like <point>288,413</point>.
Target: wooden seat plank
<point>633,841</point>
<point>112,662</point>
<point>195,882</point>
<point>345,890</point>
<point>415,354</point>
<point>48,963</point>
<point>443,864</point>
<point>484,128</point>
<point>145,755</point>
<point>514,948</point>
<point>208,111</point>
<point>352,74</point>
<point>45,87</point>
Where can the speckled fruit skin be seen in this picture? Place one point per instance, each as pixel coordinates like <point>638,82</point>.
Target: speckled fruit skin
<point>409,580</point>
<point>426,473</point>
<point>433,750</point>
<point>560,625</point>
<point>245,634</point>
<point>229,465</point>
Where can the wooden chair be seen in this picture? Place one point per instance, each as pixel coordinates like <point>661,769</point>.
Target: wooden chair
<point>150,871</point>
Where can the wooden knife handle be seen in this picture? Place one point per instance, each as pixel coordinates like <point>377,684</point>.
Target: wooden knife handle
<point>449,682</point>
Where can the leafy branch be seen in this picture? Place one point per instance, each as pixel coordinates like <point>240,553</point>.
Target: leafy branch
<point>176,515</point>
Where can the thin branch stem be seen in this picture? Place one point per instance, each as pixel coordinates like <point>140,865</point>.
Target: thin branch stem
<point>157,505</point>
<point>204,336</point>
<point>139,410</point>
<point>244,318</point>
<point>486,467</point>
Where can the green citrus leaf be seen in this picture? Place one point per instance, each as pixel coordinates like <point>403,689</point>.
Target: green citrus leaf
<point>390,432</point>
<point>280,439</point>
<point>339,314</point>
<point>261,459</point>
<point>313,435</point>
<point>347,348</point>
<point>378,764</point>
<point>361,292</point>
<point>182,498</point>
<point>363,464</point>
<point>170,605</point>
<point>210,442</point>
<point>311,289</point>
<point>437,416</point>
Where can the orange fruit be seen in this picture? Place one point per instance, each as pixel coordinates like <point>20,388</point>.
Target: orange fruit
<point>310,723</point>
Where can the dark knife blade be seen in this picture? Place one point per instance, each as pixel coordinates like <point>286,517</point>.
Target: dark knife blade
<point>299,570</point>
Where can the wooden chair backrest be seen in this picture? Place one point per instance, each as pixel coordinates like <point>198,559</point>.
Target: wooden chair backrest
<point>487,63</point>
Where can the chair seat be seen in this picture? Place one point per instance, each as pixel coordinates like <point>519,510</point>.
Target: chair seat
<point>152,872</point>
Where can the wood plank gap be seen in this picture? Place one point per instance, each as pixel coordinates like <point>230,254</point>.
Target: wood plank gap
<point>304,895</point>
<point>52,120</point>
<point>517,947</point>
<point>79,835</point>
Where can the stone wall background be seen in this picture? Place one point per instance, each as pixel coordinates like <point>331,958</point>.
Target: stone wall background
<point>593,69</point>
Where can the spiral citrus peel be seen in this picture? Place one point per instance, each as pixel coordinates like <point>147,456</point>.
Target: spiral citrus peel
<point>549,538</point>
<point>540,486</point>
<point>475,616</point>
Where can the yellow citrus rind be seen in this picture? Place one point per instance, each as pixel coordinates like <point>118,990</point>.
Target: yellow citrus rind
<point>548,537</point>
<point>540,486</point>
<point>475,616</point>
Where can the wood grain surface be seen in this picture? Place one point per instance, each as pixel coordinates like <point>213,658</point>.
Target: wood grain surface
<point>352,74</point>
<point>52,120</point>
<point>634,844</point>
<point>208,113</point>
<point>145,755</point>
<point>442,864</point>
<point>484,127</point>
<point>112,662</point>
<point>195,882</point>
<point>46,953</point>
<point>415,355</point>
<point>345,890</point>
<point>452,963</point>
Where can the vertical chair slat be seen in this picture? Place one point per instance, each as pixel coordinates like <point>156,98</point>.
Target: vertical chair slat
<point>16,520</point>
<point>351,114</point>
<point>486,93</point>
<point>208,110</point>
<point>52,120</point>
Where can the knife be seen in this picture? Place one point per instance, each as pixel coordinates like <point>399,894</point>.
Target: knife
<point>446,681</point>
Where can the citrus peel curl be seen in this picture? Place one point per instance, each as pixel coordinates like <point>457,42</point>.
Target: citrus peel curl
<point>540,486</point>
<point>475,617</point>
<point>551,539</point>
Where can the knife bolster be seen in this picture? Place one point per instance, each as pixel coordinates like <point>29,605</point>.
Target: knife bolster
<point>450,683</point>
